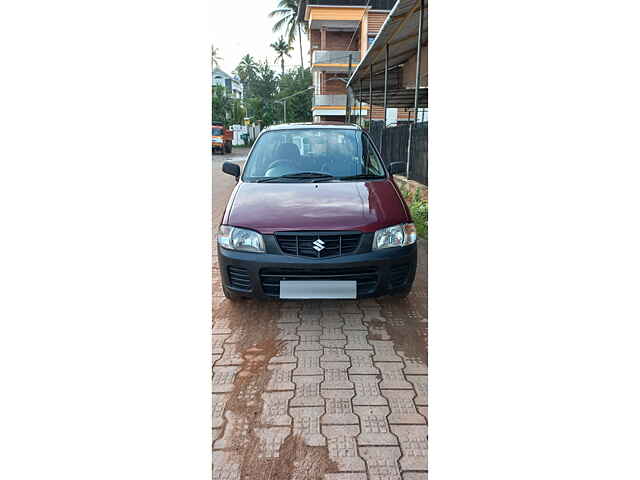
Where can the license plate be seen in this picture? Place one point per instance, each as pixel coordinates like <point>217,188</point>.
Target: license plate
<point>306,289</point>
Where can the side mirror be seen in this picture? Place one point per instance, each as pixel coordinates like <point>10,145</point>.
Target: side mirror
<point>231,169</point>
<point>397,167</point>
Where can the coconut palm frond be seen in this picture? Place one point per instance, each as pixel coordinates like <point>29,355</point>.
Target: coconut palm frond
<point>280,11</point>
<point>280,24</point>
<point>288,23</point>
<point>215,56</point>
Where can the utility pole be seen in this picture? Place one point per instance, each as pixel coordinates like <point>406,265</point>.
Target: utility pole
<point>283,101</point>
<point>348,102</point>
<point>360,105</point>
<point>386,79</point>
<point>370,94</point>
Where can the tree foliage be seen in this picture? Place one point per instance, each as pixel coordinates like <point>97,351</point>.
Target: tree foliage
<point>299,106</point>
<point>267,88</point>
<point>224,108</point>
<point>263,88</point>
<point>247,71</point>
<point>282,49</point>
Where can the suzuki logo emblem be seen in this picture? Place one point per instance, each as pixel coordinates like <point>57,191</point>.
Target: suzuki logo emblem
<point>318,245</point>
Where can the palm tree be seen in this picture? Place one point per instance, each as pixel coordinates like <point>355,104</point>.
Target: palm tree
<point>246,70</point>
<point>288,12</point>
<point>282,48</point>
<point>215,56</point>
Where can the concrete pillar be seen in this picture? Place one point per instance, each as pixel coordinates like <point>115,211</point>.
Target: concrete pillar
<point>364,34</point>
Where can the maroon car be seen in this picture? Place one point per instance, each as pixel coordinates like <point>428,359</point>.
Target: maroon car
<point>316,214</point>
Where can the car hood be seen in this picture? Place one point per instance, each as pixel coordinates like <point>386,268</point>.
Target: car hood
<point>274,207</point>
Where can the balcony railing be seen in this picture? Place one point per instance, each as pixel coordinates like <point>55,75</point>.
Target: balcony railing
<point>335,60</point>
<point>339,103</point>
<point>329,100</point>
<point>374,4</point>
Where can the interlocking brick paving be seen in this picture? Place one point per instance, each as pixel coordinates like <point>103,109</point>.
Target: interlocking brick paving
<point>420,384</point>
<point>367,390</point>
<point>392,376</point>
<point>309,363</point>
<point>307,393</point>
<point>413,441</point>
<point>384,351</point>
<point>223,378</point>
<point>280,376</point>
<point>225,467</point>
<point>403,410</point>
<point>336,376</point>
<point>276,408</point>
<point>339,410</point>
<point>382,462</point>
<point>374,426</point>
<point>343,448</point>
<point>219,403</point>
<point>414,476</point>
<point>319,390</point>
<point>306,422</point>
<point>356,399</point>
<point>333,351</point>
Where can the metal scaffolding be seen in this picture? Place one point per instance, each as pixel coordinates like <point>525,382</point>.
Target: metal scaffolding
<point>383,75</point>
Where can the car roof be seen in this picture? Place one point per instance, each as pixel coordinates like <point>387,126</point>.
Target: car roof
<point>314,125</point>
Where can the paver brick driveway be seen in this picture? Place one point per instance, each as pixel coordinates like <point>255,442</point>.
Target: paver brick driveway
<point>330,389</point>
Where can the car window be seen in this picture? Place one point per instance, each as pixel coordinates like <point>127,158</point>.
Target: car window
<point>371,159</point>
<point>333,152</point>
<point>216,131</point>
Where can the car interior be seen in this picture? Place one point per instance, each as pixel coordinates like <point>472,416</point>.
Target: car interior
<point>334,153</point>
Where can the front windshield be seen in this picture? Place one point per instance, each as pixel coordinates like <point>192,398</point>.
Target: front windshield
<point>216,131</point>
<point>314,152</point>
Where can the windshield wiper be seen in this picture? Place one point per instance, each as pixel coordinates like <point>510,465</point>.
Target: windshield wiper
<point>361,176</point>
<point>300,175</point>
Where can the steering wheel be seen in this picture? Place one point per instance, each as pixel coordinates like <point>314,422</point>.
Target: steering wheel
<point>279,163</point>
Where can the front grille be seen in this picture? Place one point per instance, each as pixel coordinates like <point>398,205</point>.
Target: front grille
<point>239,277</point>
<point>305,244</point>
<point>366,277</point>
<point>399,275</point>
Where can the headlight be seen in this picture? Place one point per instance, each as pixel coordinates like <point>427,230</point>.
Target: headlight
<point>235,238</point>
<point>396,236</point>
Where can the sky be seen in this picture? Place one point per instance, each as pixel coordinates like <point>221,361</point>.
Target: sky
<point>239,27</point>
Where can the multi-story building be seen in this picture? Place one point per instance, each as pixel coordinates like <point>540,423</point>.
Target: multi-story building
<point>232,85</point>
<point>341,31</point>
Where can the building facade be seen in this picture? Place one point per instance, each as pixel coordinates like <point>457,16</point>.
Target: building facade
<point>232,85</point>
<point>340,32</point>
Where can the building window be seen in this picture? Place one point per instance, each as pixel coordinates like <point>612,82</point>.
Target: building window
<point>370,41</point>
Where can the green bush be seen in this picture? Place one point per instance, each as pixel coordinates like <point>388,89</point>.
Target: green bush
<point>419,211</point>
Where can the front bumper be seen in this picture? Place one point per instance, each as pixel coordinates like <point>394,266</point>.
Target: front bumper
<point>377,273</point>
